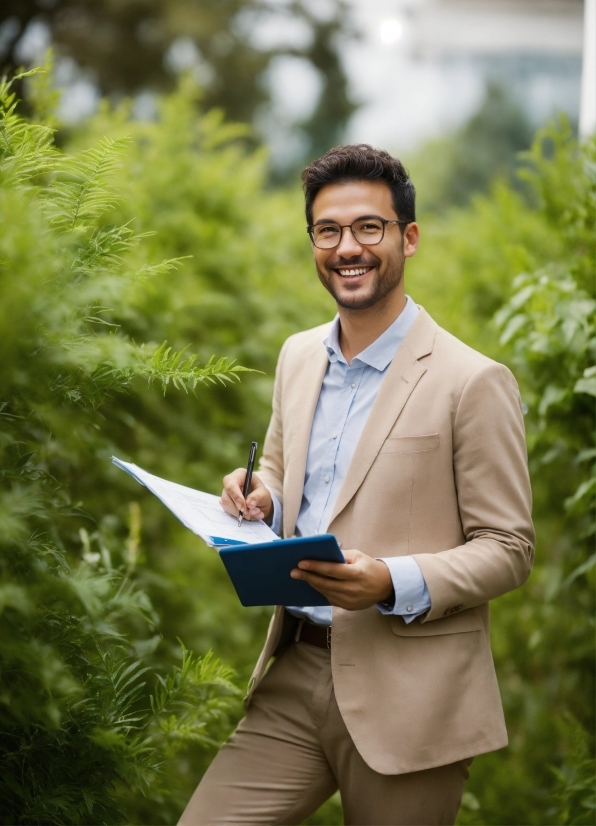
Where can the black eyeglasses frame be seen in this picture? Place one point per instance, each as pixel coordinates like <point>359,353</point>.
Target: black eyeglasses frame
<point>310,230</point>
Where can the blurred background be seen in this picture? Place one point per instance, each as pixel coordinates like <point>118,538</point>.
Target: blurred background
<point>177,129</point>
<point>310,73</point>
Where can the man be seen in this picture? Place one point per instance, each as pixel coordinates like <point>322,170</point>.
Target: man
<point>408,446</point>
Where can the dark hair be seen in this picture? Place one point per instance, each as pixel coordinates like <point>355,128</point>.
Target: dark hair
<point>360,162</point>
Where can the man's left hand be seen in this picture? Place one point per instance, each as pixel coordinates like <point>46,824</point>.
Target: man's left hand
<point>360,583</point>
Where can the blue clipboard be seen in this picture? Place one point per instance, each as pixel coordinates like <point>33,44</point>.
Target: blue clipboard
<point>261,573</point>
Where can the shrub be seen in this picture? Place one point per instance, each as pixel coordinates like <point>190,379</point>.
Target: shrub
<point>86,717</point>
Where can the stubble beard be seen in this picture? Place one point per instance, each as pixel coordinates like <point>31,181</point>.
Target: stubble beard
<point>381,287</point>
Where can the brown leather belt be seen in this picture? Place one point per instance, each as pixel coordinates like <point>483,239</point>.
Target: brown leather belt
<point>318,635</point>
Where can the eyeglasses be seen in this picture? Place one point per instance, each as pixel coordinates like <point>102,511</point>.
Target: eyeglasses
<point>367,230</point>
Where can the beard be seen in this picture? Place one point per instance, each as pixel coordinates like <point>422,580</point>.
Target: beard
<point>379,288</point>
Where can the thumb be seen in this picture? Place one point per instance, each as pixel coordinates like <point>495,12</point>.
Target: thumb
<point>259,494</point>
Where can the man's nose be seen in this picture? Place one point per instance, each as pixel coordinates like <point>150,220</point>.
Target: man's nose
<point>348,246</point>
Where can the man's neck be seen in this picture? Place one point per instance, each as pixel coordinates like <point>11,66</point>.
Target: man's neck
<point>359,328</point>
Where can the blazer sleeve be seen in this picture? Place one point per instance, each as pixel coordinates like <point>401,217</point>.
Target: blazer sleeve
<point>494,499</point>
<point>271,466</point>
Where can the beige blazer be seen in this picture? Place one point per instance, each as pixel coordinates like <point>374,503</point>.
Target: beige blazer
<point>440,473</point>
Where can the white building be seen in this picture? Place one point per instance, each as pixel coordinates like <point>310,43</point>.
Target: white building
<point>422,66</point>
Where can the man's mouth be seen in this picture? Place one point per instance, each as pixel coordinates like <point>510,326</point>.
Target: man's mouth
<point>353,272</point>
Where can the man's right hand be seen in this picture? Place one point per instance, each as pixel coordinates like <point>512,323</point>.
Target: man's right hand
<point>258,504</point>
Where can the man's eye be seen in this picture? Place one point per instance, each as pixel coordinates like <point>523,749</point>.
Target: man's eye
<point>369,227</point>
<point>330,230</point>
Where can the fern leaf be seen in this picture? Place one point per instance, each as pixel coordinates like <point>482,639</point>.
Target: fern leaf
<point>168,366</point>
<point>163,268</point>
<point>26,151</point>
<point>103,250</point>
<point>87,191</point>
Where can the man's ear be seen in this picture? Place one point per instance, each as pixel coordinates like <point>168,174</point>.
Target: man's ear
<point>411,238</point>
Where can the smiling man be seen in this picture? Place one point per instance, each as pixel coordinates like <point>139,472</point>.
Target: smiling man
<point>409,446</point>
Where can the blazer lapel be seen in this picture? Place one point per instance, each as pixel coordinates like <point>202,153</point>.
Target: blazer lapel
<point>404,373</point>
<point>307,387</point>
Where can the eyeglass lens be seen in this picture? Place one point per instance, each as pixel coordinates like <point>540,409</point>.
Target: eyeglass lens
<point>366,231</point>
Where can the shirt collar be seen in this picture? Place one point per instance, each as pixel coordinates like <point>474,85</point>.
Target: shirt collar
<point>380,353</point>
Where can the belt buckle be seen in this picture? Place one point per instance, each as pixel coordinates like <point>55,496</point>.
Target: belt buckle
<point>329,637</point>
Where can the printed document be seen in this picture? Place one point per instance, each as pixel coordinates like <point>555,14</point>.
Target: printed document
<point>200,512</point>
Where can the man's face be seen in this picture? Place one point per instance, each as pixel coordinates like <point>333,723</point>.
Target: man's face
<point>356,275</point>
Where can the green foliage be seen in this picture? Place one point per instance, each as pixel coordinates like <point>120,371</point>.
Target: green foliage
<point>87,717</point>
<point>549,323</point>
<point>245,284</point>
<point>575,795</point>
<point>329,814</point>
<point>451,170</point>
<point>166,366</point>
<point>217,41</point>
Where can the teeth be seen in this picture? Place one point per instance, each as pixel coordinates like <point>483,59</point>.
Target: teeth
<point>359,271</point>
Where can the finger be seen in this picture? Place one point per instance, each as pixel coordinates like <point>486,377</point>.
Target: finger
<point>260,499</point>
<point>234,503</point>
<point>259,495</point>
<point>322,582</point>
<point>333,570</point>
<point>338,593</point>
<point>351,556</point>
<point>229,505</point>
<point>233,484</point>
<point>254,513</point>
<point>257,504</point>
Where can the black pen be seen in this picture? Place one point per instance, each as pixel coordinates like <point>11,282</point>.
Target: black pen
<point>247,481</point>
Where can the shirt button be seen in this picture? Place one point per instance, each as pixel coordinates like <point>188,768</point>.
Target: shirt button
<point>334,435</point>
<point>409,607</point>
<point>352,386</point>
<point>326,478</point>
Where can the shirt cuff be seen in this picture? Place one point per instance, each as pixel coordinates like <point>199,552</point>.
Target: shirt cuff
<point>276,520</point>
<point>411,594</point>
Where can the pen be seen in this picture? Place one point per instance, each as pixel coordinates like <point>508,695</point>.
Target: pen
<point>247,480</point>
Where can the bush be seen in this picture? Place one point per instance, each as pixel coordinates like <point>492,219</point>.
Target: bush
<point>87,718</point>
<point>548,322</point>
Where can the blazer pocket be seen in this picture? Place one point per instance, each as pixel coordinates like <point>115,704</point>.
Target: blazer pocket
<point>410,444</point>
<point>469,620</point>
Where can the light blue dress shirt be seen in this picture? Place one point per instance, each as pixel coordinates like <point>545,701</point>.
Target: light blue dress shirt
<point>345,401</point>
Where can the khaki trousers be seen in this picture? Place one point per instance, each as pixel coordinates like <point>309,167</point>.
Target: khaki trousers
<point>292,751</point>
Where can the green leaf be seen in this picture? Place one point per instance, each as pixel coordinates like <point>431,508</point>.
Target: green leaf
<point>587,384</point>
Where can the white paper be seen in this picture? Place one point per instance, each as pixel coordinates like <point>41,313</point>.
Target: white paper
<point>198,511</point>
